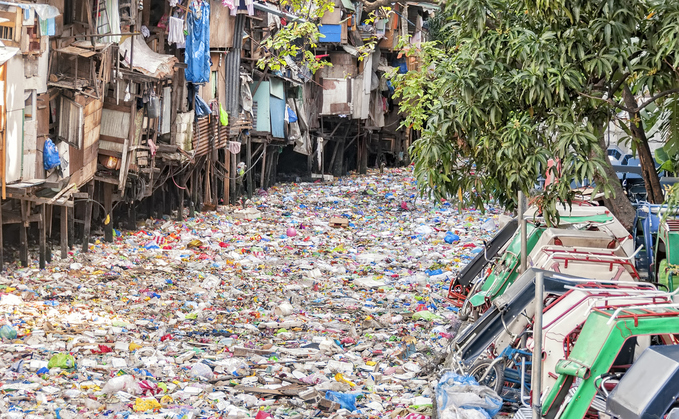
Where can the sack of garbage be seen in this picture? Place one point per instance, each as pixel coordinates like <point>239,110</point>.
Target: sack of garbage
<point>461,397</point>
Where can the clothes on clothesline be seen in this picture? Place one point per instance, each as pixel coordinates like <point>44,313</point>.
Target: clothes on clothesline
<point>175,32</point>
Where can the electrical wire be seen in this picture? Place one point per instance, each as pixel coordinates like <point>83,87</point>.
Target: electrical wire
<point>252,166</point>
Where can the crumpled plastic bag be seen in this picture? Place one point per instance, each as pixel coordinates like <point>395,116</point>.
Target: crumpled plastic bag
<point>200,370</point>
<point>461,397</point>
<point>8,332</point>
<point>145,404</point>
<point>63,361</point>
<point>426,315</point>
<point>125,383</point>
<point>345,400</point>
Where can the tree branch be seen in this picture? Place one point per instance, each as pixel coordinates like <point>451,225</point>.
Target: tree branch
<point>656,97</point>
<point>609,101</point>
<point>618,84</point>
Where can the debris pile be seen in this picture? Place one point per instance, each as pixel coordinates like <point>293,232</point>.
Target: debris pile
<point>319,300</point>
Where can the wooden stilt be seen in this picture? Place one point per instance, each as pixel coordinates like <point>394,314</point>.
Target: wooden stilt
<point>23,233</point>
<point>149,205</point>
<point>164,189</point>
<point>194,194</point>
<point>133,217</point>
<point>49,222</point>
<point>232,178</point>
<point>180,208</point>
<point>42,237</point>
<point>88,217</point>
<point>108,208</point>
<point>48,231</point>
<point>271,156</point>
<point>64,232</point>
<point>338,160</point>
<point>363,152</point>
<point>331,169</point>
<point>213,176</point>
<point>261,178</point>
<point>310,162</point>
<point>227,174</point>
<point>274,168</point>
<point>248,163</point>
<point>2,243</point>
<point>71,226</point>
<point>187,195</point>
<point>206,182</point>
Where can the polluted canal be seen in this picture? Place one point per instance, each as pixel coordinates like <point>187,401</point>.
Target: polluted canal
<point>318,300</point>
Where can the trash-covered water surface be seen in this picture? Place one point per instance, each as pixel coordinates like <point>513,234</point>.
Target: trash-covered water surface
<point>318,300</point>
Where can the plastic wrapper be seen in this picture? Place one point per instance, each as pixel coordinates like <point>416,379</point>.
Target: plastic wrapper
<point>461,397</point>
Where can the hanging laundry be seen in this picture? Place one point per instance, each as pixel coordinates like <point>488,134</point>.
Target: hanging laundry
<point>234,147</point>
<point>230,4</point>
<point>250,6</point>
<point>145,31</point>
<point>197,55</point>
<point>152,147</point>
<point>175,33</point>
<point>242,6</point>
<point>319,152</point>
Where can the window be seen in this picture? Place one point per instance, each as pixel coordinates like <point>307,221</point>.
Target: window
<point>10,26</point>
<point>29,105</point>
<point>70,123</point>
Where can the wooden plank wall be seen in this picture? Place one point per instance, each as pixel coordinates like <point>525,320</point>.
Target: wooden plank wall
<point>221,27</point>
<point>84,161</point>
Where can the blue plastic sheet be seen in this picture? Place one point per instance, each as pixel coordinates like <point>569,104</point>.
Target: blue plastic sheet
<point>201,107</point>
<point>292,116</point>
<point>50,155</point>
<point>345,400</point>
<point>197,55</point>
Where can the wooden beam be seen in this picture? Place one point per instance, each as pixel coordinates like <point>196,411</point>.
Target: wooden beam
<point>48,232</point>
<point>64,232</point>
<point>23,233</point>
<point>227,170</point>
<point>248,163</point>
<point>232,178</point>
<point>262,177</point>
<point>88,217</point>
<point>2,243</point>
<point>71,226</point>
<point>42,237</point>
<point>108,209</point>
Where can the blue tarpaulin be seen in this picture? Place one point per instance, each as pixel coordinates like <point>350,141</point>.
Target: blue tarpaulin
<point>332,33</point>
<point>197,55</point>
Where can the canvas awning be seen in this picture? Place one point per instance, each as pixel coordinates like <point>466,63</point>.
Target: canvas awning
<point>6,53</point>
<point>145,60</point>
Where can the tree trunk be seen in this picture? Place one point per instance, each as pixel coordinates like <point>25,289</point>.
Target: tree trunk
<point>619,205</point>
<point>651,180</point>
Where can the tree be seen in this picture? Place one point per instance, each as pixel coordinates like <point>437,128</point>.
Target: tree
<point>519,82</point>
<point>293,44</point>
